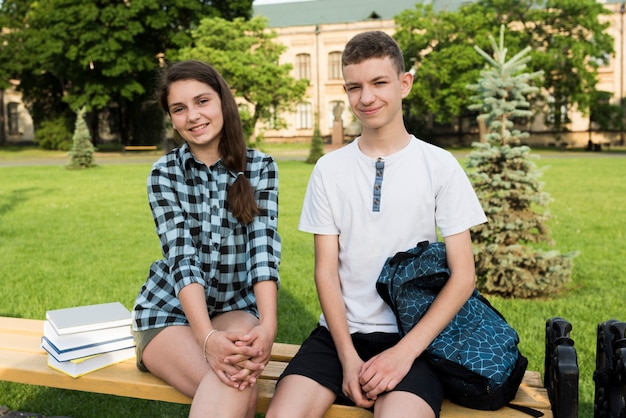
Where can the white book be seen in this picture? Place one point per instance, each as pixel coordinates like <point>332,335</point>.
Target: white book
<point>84,365</point>
<point>89,317</point>
<point>90,350</point>
<point>87,338</point>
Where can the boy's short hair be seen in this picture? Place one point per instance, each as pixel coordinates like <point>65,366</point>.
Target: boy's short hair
<point>372,44</point>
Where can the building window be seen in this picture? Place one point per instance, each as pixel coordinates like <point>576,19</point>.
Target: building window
<point>13,109</point>
<point>303,66</point>
<point>334,65</point>
<point>556,112</point>
<point>304,116</point>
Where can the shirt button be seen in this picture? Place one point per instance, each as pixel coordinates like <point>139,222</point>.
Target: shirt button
<point>214,281</point>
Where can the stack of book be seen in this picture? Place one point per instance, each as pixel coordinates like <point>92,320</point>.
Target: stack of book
<point>83,339</point>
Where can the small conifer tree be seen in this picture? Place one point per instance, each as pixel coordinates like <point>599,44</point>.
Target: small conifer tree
<point>81,153</point>
<point>317,145</point>
<point>507,184</point>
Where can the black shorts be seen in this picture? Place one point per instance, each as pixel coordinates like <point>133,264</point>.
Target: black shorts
<point>317,359</point>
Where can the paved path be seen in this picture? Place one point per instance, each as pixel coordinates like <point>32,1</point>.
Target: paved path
<point>105,158</point>
<point>99,158</point>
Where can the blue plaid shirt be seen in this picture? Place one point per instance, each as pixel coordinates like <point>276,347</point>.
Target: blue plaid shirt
<point>201,240</point>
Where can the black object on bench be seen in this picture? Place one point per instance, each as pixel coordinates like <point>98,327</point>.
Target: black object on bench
<point>610,373</point>
<point>561,368</point>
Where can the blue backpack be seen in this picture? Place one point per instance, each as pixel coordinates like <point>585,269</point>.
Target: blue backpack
<point>476,356</point>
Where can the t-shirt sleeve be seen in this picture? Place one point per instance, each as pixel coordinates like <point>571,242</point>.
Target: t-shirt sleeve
<point>457,206</point>
<point>316,216</point>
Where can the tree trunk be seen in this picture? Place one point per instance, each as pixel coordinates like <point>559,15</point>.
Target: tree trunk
<point>3,131</point>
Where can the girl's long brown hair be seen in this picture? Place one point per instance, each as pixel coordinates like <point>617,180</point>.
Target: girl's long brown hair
<point>232,146</point>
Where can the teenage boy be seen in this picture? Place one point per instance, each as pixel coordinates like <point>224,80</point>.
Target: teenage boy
<point>383,193</point>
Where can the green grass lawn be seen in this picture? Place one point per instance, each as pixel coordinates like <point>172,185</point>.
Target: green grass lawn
<point>81,237</point>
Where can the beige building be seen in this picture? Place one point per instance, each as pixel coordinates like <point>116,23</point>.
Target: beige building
<point>315,32</point>
<point>17,123</point>
<point>315,52</point>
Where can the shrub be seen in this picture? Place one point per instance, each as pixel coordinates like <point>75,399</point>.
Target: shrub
<point>54,134</point>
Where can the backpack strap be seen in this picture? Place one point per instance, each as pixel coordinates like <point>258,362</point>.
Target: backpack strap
<point>404,255</point>
<point>527,410</point>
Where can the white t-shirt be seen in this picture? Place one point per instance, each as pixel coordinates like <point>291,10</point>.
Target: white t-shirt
<point>422,188</point>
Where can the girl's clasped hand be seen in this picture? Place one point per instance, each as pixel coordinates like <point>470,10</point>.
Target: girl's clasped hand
<point>238,359</point>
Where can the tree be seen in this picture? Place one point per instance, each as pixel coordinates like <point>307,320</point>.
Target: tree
<point>568,42</point>
<point>71,54</point>
<point>507,184</point>
<point>501,92</point>
<point>438,46</point>
<point>247,56</point>
<point>605,115</point>
<point>317,145</point>
<point>81,153</point>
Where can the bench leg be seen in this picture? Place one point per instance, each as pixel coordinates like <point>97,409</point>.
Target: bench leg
<point>561,368</point>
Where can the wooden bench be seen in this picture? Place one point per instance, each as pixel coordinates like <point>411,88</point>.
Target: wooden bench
<point>22,360</point>
<point>140,148</point>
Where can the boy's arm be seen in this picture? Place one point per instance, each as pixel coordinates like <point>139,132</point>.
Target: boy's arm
<point>384,372</point>
<point>333,306</point>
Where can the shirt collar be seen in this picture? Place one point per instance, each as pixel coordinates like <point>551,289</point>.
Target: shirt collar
<point>188,160</point>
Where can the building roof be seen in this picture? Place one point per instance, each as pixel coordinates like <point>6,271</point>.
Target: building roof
<point>315,12</point>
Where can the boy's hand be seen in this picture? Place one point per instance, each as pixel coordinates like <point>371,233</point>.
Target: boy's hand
<point>383,372</point>
<point>351,386</point>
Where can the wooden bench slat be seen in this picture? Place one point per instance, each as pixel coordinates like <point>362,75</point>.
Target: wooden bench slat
<point>532,397</point>
<point>21,325</point>
<point>140,147</point>
<point>122,379</point>
<point>450,410</point>
<point>21,342</point>
<point>530,394</point>
<point>284,351</point>
<point>22,360</point>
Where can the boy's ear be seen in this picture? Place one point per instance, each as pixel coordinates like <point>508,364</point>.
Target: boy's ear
<point>406,83</point>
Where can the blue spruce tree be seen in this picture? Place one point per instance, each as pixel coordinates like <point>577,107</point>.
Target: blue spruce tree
<point>507,183</point>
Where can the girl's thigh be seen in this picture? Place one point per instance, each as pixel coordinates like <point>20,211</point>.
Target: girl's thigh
<point>235,321</point>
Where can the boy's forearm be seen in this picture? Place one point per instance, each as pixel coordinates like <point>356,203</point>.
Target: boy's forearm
<point>333,307</point>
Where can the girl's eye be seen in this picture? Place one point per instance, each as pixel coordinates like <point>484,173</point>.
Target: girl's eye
<point>177,110</point>
<point>203,101</point>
